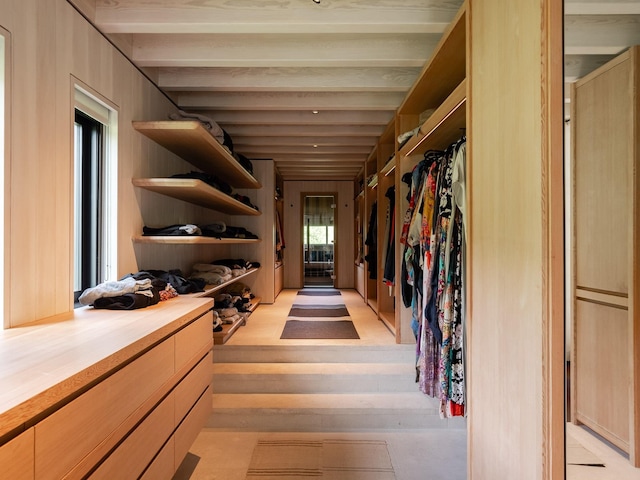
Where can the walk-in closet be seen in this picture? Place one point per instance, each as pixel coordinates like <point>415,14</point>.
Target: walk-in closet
<point>329,229</point>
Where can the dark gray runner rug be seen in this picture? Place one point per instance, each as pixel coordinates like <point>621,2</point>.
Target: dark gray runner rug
<point>318,311</point>
<point>319,292</point>
<point>319,329</point>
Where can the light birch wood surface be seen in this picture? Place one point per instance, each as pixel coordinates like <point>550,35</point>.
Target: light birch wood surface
<point>42,364</point>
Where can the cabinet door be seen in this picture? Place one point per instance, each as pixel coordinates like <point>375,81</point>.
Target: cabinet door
<point>191,340</point>
<point>136,452</point>
<point>189,390</point>
<point>162,467</point>
<point>191,426</point>
<point>16,457</point>
<point>69,434</point>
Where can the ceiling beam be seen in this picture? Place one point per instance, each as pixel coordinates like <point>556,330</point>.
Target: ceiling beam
<point>266,79</point>
<point>630,7</point>
<point>295,117</point>
<point>271,16</point>
<point>241,142</point>
<point>311,159</point>
<point>278,50</point>
<point>289,100</point>
<point>577,66</point>
<point>306,150</point>
<point>600,35</point>
<point>304,130</point>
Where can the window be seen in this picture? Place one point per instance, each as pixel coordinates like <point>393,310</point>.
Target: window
<point>318,235</point>
<point>95,193</point>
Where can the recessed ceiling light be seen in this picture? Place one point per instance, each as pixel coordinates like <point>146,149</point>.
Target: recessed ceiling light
<point>315,146</point>
<point>315,112</point>
<point>316,2</point>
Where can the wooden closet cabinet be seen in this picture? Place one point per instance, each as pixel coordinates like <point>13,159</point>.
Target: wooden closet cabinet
<point>106,394</point>
<point>605,366</point>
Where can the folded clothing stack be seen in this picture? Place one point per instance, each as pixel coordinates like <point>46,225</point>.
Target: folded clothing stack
<point>211,274</point>
<point>216,230</point>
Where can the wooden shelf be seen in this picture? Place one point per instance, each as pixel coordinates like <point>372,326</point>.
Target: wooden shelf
<point>190,240</point>
<point>191,141</point>
<point>373,183</point>
<point>388,318</point>
<point>228,330</point>
<point>443,127</point>
<point>255,301</point>
<point>446,67</point>
<point>196,192</point>
<point>389,166</point>
<point>211,289</point>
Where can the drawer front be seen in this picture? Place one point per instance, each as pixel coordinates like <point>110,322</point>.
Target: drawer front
<point>136,452</point>
<point>189,390</point>
<point>16,457</point>
<point>66,436</point>
<point>191,426</point>
<point>192,339</point>
<point>162,467</point>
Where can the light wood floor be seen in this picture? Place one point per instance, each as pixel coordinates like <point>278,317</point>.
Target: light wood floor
<point>266,323</point>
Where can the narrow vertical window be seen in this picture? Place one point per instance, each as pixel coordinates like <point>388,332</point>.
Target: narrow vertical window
<point>94,194</point>
<point>89,223</point>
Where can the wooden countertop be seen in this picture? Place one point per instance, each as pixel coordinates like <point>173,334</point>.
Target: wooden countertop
<point>44,363</point>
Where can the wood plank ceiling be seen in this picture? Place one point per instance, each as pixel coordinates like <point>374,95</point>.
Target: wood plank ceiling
<point>262,68</point>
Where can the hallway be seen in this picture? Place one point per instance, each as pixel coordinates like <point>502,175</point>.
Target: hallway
<point>434,452</point>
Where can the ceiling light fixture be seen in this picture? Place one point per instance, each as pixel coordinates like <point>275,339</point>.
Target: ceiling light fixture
<point>317,2</point>
<point>315,112</point>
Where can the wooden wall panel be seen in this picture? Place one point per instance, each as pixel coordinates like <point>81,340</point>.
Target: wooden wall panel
<point>512,70</point>
<point>292,231</point>
<point>262,284</point>
<point>53,45</point>
<point>605,127</point>
<point>602,187</point>
<point>603,370</point>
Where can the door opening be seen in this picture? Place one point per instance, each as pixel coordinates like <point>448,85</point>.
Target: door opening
<point>318,240</point>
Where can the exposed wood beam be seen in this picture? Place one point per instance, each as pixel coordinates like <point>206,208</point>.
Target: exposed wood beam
<point>290,100</point>
<point>302,177</point>
<point>276,50</point>
<point>311,159</point>
<point>600,35</point>
<point>631,7</point>
<point>306,117</point>
<point>306,150</point>
<point>291,16</point>
<point>288,79</point>
<point>577,66</point>
<point>304,130</point>
<point>241,142</point>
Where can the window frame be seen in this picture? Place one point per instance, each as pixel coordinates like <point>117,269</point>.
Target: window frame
<point>100,110</point>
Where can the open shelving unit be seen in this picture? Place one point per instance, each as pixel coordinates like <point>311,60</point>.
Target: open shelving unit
<point>195,144</point>
<point>435,111</point>
<point>437,106</point>
<point>386,180</point>
<point>191,141</point>
<point>191,240</point>
<point>196,192</point>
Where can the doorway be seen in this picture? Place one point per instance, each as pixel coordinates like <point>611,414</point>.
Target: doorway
<point>319,239</point>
